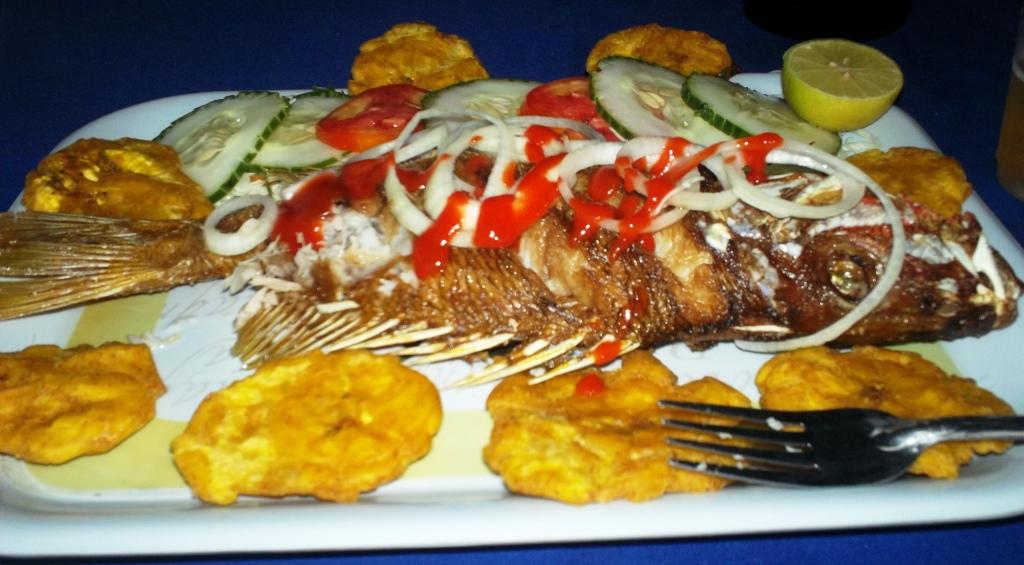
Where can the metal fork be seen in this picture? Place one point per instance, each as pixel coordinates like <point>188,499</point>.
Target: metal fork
<point>822,448</point>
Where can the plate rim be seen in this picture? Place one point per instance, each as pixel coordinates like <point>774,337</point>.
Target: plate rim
<point>107,531</point>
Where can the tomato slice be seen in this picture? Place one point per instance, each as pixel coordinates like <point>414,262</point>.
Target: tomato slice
<point>566,98</point>
<point>374,117</point>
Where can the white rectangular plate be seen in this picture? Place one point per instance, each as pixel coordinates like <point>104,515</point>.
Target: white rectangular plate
<point>466,506</point>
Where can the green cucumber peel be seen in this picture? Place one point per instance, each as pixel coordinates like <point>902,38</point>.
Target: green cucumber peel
<point>226,187</point>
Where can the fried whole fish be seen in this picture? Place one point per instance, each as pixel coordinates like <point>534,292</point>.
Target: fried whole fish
<point>705,282</point>
<point>563,294</point>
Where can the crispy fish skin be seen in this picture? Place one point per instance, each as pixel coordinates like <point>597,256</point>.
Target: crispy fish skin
<point>501,294</point>
<point>58,404</point>
<point>126,178</point>
<point>923,176</point>
<point>414,53</point>
<point>901,383</point>
<point>683,51</point>
<point>675,293</point>
<point>330,426</point>
<point>550,441</point>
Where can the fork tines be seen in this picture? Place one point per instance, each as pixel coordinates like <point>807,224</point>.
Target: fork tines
<point>760,446</point>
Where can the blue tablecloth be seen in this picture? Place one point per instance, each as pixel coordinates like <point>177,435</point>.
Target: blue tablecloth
<point>68,63</point>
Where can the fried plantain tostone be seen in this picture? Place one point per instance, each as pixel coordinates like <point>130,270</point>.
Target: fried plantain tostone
<point>126,178</point>
<point>685,52</point>
<point>901,383</point>
<point>579,441</point>
<point>58,404</point>
<point>923,176</point>
<point>414,53</point>
<point>330,426</point>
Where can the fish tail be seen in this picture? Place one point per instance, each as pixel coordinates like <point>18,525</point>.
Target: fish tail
<point>54,261</point>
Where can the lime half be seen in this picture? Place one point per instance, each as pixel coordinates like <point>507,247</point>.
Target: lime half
<point>839,85</point>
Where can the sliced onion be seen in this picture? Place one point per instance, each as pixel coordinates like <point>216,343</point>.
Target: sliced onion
<point>793,153</point>
<point>442,181</point>
<point>409,130</point>
<point>416,144</point>
<point>253,231</point>
<point>459,128</point>
<point>401,206</point>
<point>371,153</point>
<point>602,153</point>
<point>682,195</point>
<point>653,147</point>
<point>577,144</point>
<point>664,220</point>
<point>421,143</point>
<point>986,263</point>
<point>890,273</point>
<point>702,201</point>
<point>490,145</point>
<point>468,221</point>
<point>502,159</point>
<point>643,148</point>
<point>779,207</point>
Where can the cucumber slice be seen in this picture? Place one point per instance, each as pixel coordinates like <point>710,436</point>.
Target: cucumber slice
<point>497,97</point>
<point>638,98</point>
<point>293,144</point>
<point>217,140</point>
<point>268,182</point>
<point>739,112</point>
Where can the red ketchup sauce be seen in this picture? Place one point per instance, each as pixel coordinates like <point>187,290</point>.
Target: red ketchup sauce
<point>505,217</point>
<point>673,150</point>
<point>508,176</point>
<point>664,172</point>
<point>536,138</point>
<point>589,385</point>
<point>606,352</point>
<point>634,211</point>
<point>432,248</point>
<point>588,214</point>
<point>604,183</point>
<point>300,218</point>
<point>755,151</point>
<point>587,218</point>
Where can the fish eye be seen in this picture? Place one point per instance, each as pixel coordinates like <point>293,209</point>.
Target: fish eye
<point>848,276</point>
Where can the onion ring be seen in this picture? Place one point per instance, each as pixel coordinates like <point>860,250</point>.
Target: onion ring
<point>249,235</point>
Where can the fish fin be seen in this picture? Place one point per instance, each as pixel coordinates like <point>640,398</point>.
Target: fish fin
<point>24,297</point>
<point>60,260</point>
<point>464,348</point>
<point>524,358</point>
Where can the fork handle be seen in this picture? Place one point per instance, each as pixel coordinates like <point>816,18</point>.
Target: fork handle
<point>929,432</point>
